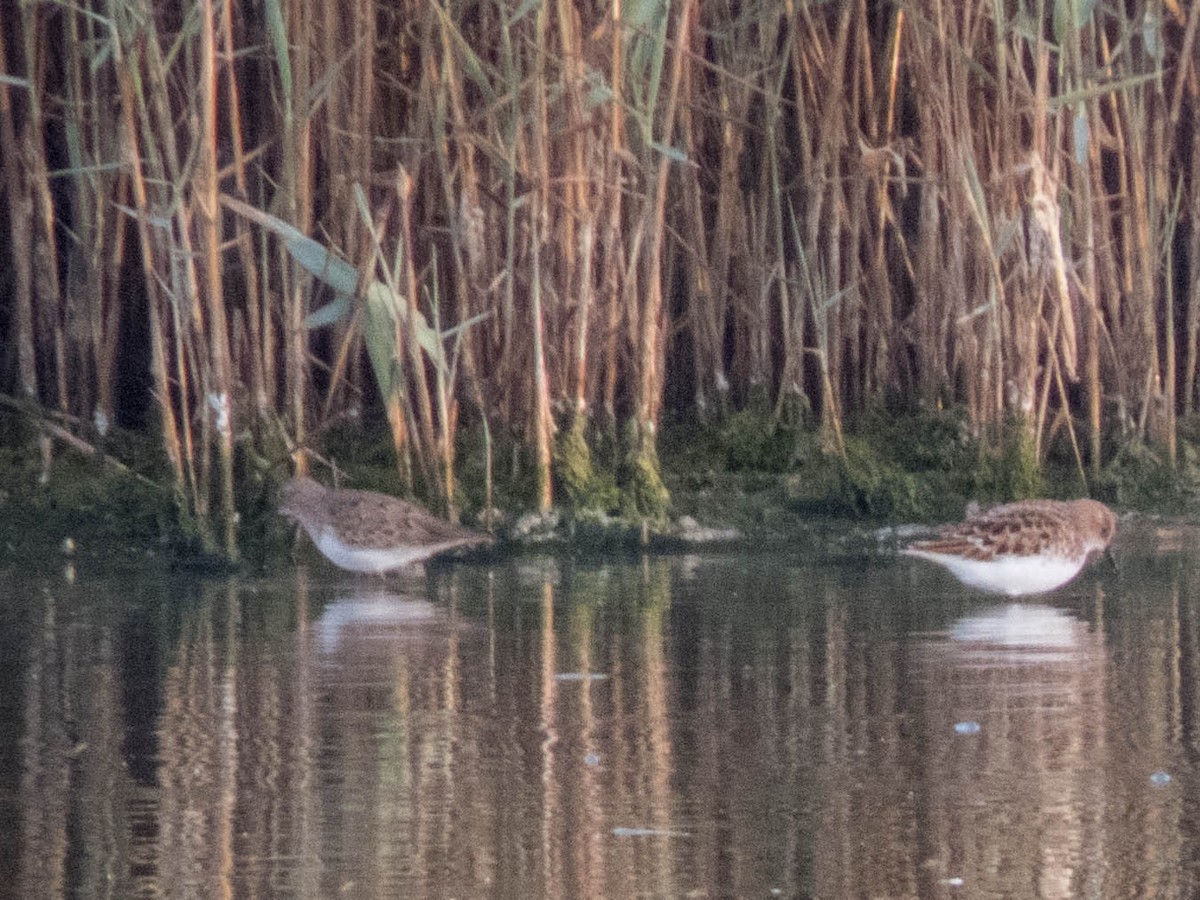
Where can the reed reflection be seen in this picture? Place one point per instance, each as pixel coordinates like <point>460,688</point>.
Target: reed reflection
<point>1015,716</point>
<point>665,726</point>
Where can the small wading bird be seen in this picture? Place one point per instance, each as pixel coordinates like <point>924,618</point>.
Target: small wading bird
<point>365,531</point>
<point>1021,548</point>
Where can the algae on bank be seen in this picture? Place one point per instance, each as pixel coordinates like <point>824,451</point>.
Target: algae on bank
<point>897,468</point>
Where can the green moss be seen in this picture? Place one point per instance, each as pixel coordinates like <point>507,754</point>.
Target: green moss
<point>753,441</point>
<point>748,441</point>
<point>1138,477</point>
<point>514,485</point>
<point>643,492</point>
<point>923,440</point>
<point>573,462</point>
<point>747,470</point>
<point>84,499</point>
<point>1011,470</point>
<point>358,443</point>
<point>906,465</point>
<point>875,486</point>
<point>691,450</point>
<point>586,488</point>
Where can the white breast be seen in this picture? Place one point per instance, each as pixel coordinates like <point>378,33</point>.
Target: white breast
<point>359,559</point>
<point>1011,575</point>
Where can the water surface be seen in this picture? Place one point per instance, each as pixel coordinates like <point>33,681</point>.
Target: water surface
<point>712,725</point>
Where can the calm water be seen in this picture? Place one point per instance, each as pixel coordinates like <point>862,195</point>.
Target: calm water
<point>689,726</point>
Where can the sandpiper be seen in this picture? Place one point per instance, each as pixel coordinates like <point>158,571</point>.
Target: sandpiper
<point>1021,548</point>
<point>365,531</point>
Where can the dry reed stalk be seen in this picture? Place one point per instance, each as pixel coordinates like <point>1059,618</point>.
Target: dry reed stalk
<point>159,355</point>
<point>447,409</point>
<point>611,237</point>
<point>1084,160</point>
<point>346,49</point>
<point>141,154</point>
<point>204,192</point>
<point>539,217</point>
<point>717,240</point>
<point>193,364</point>
<point>1142,369</point>
<point>48,302</point>
<point>813,99</point>
<point>587,253</point>
<point>1170,384</point>
<point>349,348</point>
<point>543,422</point>
<point>890,162</point>
<point>1140,147</point>
<point>20,203</point>
<point>259,359</point>
<point>1088,289</point>
<point>937,274</point>
<point>997,292</point>
<point>291,27</point>
<point>1166,202</point>
<point>651,321</point>
<point>426,447</point>
<point>109,309</point>
<point>471,246</point>
<point>1110,295</point>
<point>571,152</point>
<point>386,323</point>
<point>576,231</point>
<point>861,199</point>
<point>172,264</point>
<point>86,309</point>
<point>1192,326</point>
<point>1140,257</point>
<point>576,177</point>
<point>813,301</point>
<point>844,286</point>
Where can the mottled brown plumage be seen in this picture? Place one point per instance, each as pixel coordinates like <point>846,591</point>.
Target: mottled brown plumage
<point>1023,547</point>
<point>366,531</point>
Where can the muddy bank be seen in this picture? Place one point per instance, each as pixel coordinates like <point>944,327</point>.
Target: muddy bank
<point>743,483</point>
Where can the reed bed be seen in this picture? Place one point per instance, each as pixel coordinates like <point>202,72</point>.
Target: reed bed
<point>547,217</point>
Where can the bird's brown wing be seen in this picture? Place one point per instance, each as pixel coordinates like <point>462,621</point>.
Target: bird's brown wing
<point>368,519</point>
<point>1012,530</point>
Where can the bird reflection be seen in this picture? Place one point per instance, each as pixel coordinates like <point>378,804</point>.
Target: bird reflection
<point>1014,695</point>
<point>373,615</point>
<point>1015,627</point>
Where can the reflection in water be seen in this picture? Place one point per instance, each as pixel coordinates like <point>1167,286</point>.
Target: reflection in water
<point>1031,678</point>
<point>373,616</point>
<point>664,727</point>
<point>1018,626</point>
